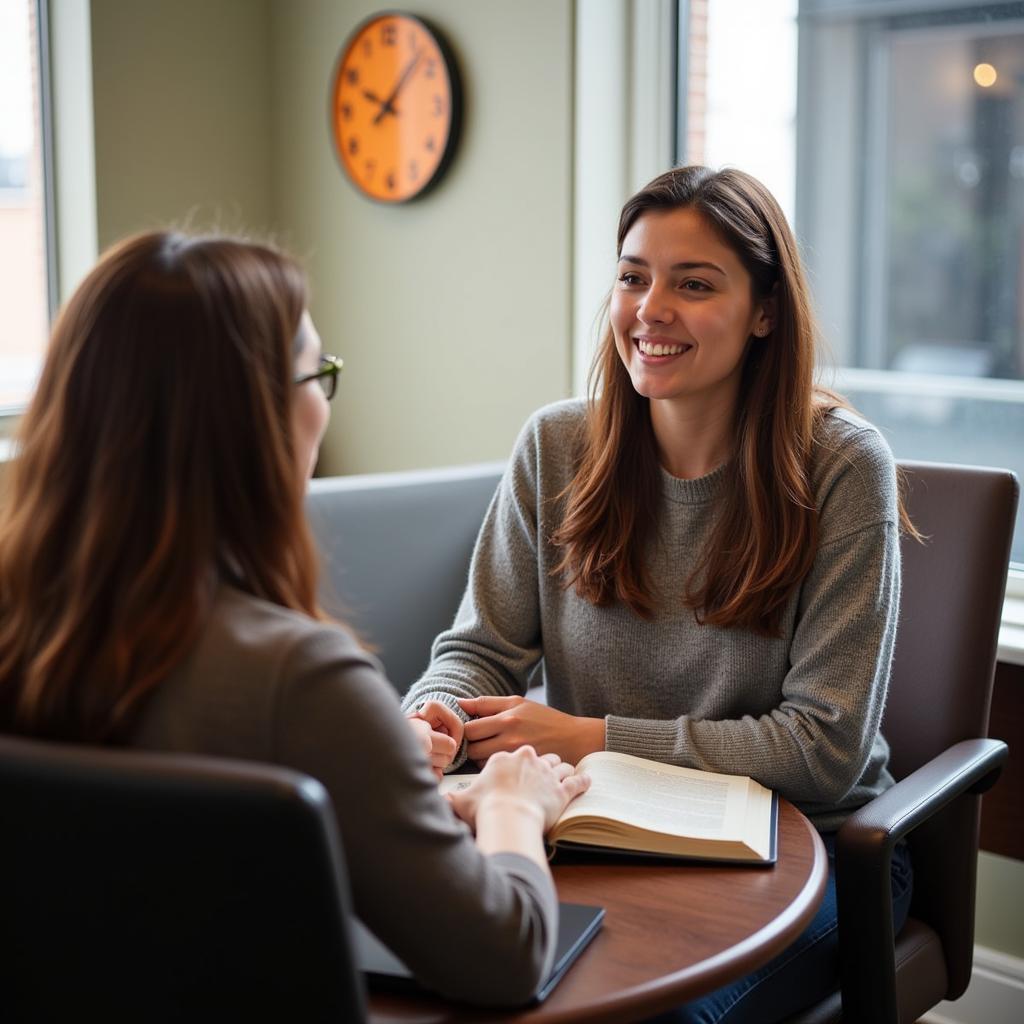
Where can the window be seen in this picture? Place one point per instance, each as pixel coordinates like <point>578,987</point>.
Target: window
<point>23,267</point>
<point>892,131</point>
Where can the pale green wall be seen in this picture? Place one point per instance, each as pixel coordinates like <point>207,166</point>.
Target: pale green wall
<point>452,312</point>
<point>181,99</point>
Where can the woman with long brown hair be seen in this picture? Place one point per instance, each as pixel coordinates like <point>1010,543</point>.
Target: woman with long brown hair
<point>158,590</point>
<point>703,557</point>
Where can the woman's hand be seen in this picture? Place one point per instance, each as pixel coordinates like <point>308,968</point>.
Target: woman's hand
<point>439,732</point>
<point>507,723</point>
<point>517,792</point>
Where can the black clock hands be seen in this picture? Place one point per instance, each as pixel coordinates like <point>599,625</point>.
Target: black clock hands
<point>388,104</point>
<point>385,106</point>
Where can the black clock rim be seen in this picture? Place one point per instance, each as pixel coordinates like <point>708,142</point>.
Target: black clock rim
<point>455,124</point>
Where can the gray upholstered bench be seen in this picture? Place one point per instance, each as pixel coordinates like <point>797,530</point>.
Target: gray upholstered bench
<point>396,550</point>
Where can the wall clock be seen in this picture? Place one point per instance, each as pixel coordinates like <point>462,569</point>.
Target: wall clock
<point>395,107</point>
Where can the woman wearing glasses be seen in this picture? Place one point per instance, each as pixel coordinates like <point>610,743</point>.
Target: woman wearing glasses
<point>158,589</point>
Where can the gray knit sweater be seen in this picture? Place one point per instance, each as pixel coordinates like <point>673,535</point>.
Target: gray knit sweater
<point>798,713</point>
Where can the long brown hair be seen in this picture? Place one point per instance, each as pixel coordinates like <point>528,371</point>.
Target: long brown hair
<point>765,538</point>
<point>156,457</point>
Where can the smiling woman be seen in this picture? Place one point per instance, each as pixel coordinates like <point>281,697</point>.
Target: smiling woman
<point>703,558</point>
<point>683,312</point>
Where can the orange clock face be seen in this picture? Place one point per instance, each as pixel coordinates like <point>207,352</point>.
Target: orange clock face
<point>394,108</point>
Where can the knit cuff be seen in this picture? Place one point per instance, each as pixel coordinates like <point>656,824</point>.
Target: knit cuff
<point>449,701</point>
<point>655,739</point>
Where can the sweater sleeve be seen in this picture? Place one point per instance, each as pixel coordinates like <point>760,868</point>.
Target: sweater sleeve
<point>818,740</point>
<point>472,927</point>
<point>495,641</point>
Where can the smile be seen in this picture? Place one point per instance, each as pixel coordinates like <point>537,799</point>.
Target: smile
<point>658,348</point>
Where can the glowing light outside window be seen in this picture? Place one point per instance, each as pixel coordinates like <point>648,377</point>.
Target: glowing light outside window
<point>985,75</point>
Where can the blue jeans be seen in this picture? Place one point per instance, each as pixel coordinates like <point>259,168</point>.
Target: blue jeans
<point>803,974</point>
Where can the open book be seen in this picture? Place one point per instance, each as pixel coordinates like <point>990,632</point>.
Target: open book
<point>645,807</point>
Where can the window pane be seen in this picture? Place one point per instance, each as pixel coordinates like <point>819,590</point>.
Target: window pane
<point>23,292</point>
<point>954,203</point>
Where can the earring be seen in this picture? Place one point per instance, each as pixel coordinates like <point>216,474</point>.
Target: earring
<point>762,332</point>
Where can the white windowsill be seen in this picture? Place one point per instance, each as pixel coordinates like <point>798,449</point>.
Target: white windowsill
<point>1011,633</point>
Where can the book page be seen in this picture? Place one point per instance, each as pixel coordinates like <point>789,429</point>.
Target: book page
<point>662,798</point>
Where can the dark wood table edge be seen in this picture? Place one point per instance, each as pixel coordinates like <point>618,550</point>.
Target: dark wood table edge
<point>639,1002</point>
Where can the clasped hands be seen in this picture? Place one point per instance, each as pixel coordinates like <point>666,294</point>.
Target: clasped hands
<point>503,724</point>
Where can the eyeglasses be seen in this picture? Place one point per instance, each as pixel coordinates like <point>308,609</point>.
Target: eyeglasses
<point>326,376</point>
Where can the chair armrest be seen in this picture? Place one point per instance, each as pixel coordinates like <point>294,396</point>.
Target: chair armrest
<point>968,766</point>
<point>864,848</point>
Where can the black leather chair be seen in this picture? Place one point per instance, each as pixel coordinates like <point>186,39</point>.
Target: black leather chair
<point>149,887</point>
<point>936,721</point>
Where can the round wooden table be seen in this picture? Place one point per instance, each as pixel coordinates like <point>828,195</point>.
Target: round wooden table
<point>672,931</point>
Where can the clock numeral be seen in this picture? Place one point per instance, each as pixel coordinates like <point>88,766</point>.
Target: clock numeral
<point>388,35</point>
<point>430,144</point>
<point>353,146</point>
<point>368,46</point>
<point>390,182</point>
<point>414,39</point>
<point>352,76</point>
<point>414,171</point>
<point>346,111</point>
<point>370,167</point>
<point>438,106</point>
<point>430,68</point>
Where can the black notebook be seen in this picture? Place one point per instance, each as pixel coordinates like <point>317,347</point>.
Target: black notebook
<point>577,925</point>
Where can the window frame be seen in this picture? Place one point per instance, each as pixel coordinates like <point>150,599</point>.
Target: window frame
<point>882,22</point>
<point>878,43</point>
<point>46,147</point>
